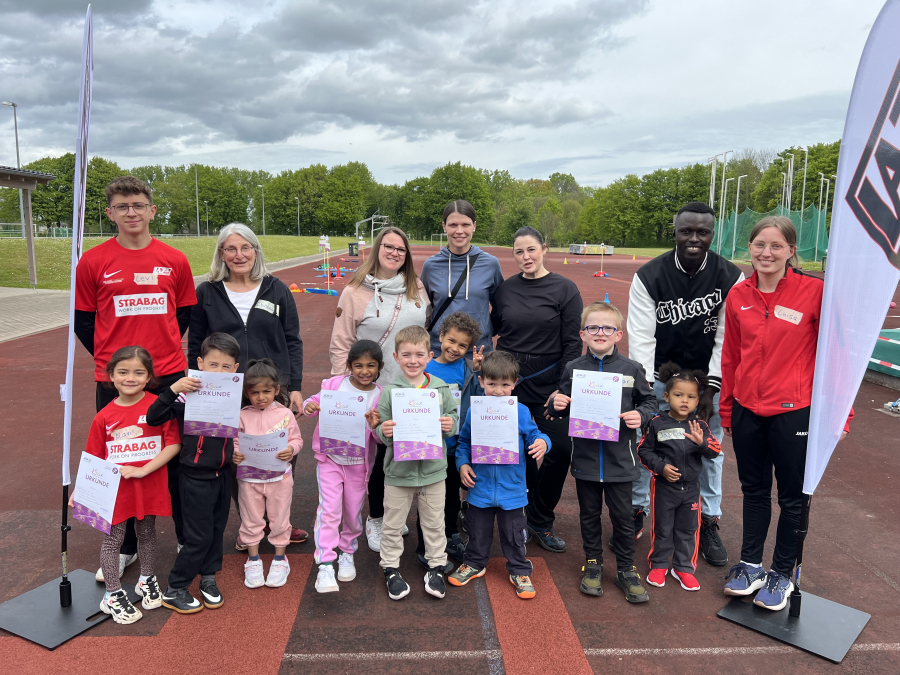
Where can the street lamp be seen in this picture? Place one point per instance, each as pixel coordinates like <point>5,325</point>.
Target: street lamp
<point>737,199</point>
<point>722,215</point>
<point>298,215</point>
<point>264,207</point>
<point>14,106</point>
<point>206,204</point>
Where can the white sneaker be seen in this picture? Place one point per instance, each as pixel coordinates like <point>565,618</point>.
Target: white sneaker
<point>325,582</point>
<point>346,568</point>
<point>405,531</point>
<point>119,607</point>
<point>124,561</point>
<point>253,574</point>
<point>150,592</point>
<point>373,533</point>
<point>278,573</point>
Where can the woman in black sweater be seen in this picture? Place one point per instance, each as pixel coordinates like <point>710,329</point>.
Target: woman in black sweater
<point>537,315</point>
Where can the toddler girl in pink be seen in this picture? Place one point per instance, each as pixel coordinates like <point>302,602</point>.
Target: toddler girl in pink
<point>260,493</point>
<point>343,469</point>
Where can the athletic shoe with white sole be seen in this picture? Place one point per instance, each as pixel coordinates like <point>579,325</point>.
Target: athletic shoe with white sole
<point>434,583</point>
<point>346,568</point>
<point>774,595</point>
<point>180,600</point>
<point>744,579</point>
<point>657,577</point>
<point>278,573</point>
<point>373,533</point>
<point>253,574</point>
<point>404,531</point>
<point>212,596</point>
<point>150,592</point>
<point>119,607</point>
<point>124,561</point>
<point>687,580</point>
<point>325,582</point>
<point>397,587</point>
<point>465,574</point>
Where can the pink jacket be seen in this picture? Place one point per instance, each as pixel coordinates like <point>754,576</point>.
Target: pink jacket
<point>274,418</point>
<point>333,384</point>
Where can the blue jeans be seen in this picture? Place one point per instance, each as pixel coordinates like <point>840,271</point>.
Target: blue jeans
<point>710,477</point>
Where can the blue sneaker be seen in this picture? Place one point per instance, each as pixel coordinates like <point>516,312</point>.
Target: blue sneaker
<point>548,540</point>
<point>775,594</point>
<point>744,579</point>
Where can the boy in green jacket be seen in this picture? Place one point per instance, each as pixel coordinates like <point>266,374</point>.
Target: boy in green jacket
<point>425,477</point>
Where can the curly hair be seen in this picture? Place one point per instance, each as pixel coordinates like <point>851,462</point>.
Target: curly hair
<point>464,324</point>
<point>670,373</point>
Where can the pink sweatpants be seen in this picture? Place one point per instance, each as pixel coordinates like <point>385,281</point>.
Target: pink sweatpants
<point>342,491</point>
<point>272,499</point>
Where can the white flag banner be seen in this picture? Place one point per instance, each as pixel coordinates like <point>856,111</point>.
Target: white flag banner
<point>863,259</point>
<point>81,164</point>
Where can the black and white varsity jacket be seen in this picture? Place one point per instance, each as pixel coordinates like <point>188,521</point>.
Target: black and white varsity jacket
<point>673,316</point>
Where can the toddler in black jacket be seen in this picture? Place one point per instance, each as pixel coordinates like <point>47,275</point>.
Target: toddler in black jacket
<point>672,447</point>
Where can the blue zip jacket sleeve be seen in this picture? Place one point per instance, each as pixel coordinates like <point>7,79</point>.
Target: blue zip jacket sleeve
<point>499,485</point>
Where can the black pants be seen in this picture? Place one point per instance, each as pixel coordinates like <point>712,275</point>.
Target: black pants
<point>451,505</point>
<point>376,485</point>
<point>675,529</point>
<point>545,485</point>
<point>206,504</point>
<point>105,394</point>
<point>511,525</point>
<point>590,506</point>
<point>762,444</point>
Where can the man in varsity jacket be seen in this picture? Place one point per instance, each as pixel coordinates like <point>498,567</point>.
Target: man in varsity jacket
<point>676,312</point>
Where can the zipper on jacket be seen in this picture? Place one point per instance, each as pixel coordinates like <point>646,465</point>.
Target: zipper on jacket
<point>600,362</point>
<point>199,449</point>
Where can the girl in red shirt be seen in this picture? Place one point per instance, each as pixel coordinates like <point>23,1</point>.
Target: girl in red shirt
<point>120,434</point>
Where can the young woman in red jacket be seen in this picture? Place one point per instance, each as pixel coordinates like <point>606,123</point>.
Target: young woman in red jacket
<point>768,360</point>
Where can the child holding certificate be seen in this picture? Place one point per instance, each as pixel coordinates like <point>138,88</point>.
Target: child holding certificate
<point>417,412</point>
<point>344,444</point>
<point>497,486</point>
<point>120,434</point>
<point>604,459</point>
<point>265,491</point>
<point>673,447</point>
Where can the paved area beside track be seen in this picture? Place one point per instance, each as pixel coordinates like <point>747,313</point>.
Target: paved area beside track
<point>851,558</point>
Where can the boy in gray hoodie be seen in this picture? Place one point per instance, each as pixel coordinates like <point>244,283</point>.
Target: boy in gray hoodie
<point>425,477</point>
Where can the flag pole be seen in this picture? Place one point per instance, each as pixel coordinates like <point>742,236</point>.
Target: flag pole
<point>796,598</point>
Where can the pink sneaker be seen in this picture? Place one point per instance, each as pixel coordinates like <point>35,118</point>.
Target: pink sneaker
<point>657,577</point>
<point>688,581</point>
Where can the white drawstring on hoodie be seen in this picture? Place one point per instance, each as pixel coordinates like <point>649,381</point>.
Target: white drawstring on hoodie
<point>450,272</point>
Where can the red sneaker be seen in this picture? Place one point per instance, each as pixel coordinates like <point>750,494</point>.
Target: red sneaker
<point>657,577</point>
<point>688,581</point>
<point>298,536</point>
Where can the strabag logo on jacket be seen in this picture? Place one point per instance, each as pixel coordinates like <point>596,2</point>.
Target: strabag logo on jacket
<point>873,194</point>
<point>676,311</point>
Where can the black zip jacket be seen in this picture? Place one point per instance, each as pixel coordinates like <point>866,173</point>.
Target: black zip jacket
<point>272,330</point>
<point>202,457</point>
<point>665,442</point>
<point>610,461</point>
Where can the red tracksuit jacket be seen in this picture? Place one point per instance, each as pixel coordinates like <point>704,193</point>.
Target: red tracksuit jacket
<point>769,353</point>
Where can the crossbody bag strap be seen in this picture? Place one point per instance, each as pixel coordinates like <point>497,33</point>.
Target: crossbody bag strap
<point>393,320</point>
<point>446,303</point>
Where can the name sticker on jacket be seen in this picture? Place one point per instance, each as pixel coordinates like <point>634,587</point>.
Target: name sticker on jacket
<point>146,279</point>
<point>627,381</point>
<point>140,303</point>
<point>134,450</point>
<point>789,315</point>
<point>269,307</point>
<point>675,434</point>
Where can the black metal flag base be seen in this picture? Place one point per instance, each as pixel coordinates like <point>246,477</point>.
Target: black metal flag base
<point>824,628</point>
<point>38,617</point>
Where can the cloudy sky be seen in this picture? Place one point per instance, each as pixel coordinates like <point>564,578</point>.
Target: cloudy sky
<point>594,88</point>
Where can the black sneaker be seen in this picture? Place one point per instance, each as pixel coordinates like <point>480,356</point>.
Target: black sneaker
<point>548,540</point>
<point>181,601</point>
<point>397,588</point>
<point>639,514</point>
<point>591,584</point>
<point>434,583</point>
<point>212,596</point>
<point>119,607</point>
<point>630,583</point>
<point>456,548</point>
<point>423,561</point>
<point>463,525</point>
<point>711,547</point>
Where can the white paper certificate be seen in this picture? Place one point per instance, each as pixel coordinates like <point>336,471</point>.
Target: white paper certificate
<point>417,434</point>
<point>342,423</point>
<point>215,410</point>
<point>495,430</point>
<point>260,462</point>
<point>95,492</point>
<point>596,405</point>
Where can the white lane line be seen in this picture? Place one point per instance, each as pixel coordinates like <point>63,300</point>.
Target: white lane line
<point>398,656</point>
<point>730,651</point>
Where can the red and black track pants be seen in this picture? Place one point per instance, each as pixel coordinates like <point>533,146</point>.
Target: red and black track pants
<point>675,529</point>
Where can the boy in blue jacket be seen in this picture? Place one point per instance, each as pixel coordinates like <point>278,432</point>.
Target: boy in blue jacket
<point>498,489</point>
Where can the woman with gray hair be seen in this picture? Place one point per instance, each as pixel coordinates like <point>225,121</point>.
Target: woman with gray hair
<point>242,299</point>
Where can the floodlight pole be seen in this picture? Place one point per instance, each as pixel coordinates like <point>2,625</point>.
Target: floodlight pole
<point>827,190</point>
<point>264,207</point>
<point>206,204</point>
<point>15,107</point>
<point>722,198</point>
<point>712,181</point>
<point>819,216</point>
<point>803,197</point>
<point>722,217</point>
<point>783,186</point>
<point>197,195</point>
<point>737,199</point>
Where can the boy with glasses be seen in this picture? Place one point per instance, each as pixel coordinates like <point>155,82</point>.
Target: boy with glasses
<point>134,290</point>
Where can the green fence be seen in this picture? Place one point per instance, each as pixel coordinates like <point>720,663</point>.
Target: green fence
<point>732,238</point>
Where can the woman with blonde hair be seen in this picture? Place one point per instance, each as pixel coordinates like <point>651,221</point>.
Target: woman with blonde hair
<point>382,297</point>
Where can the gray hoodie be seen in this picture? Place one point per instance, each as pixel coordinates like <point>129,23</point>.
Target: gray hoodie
<point>440,274</point>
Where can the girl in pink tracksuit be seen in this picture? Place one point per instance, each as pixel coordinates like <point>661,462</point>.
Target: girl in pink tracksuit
<point>260,492</point>
<point>343,469</point>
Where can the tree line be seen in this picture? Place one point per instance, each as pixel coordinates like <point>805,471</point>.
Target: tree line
<point>630,211</point>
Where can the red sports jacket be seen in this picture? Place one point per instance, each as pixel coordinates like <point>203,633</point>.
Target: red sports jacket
<point>769,353</point>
